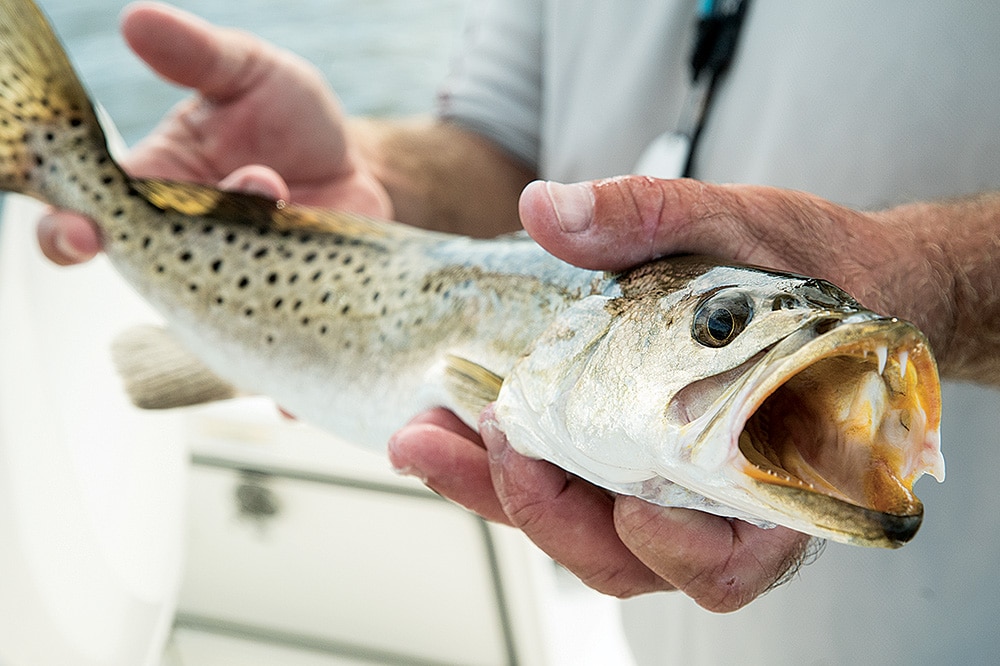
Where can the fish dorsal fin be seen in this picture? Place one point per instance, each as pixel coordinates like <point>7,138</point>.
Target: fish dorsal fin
<point>470,385</point>
<point>160,374</point>
<point>257,211</point>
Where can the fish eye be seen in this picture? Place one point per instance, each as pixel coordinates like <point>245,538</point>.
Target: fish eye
<point>721,317</point>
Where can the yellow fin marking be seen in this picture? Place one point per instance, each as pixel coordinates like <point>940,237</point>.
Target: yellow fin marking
<point>471,385</point>
<point>238,207</point>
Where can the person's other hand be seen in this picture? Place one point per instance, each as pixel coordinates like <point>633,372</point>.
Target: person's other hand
<point>616,544</point>
<point>621,545</point>
<point>257,112</point>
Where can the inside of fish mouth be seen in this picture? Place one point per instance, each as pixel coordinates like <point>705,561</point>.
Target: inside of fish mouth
<point>841,427</point>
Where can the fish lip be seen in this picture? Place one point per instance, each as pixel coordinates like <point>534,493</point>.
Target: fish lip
<point>858,335</point>
<point>850,523</point>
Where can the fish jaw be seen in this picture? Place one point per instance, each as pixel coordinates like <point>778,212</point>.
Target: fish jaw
<point>827,432</point>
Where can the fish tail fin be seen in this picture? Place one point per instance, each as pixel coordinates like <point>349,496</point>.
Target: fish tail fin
<point>52,146</point>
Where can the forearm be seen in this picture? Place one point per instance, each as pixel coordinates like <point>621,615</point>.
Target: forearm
<point>441,176</point>
<point>960,244</point>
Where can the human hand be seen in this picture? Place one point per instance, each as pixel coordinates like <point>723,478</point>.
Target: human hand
<point>258,112</point>
<point>622,545</point>
<point>891,261</point>
<point>618,545</point>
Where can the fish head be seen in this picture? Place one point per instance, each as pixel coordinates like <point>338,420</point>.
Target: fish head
<point>767,396</point>
<point>828,430</point>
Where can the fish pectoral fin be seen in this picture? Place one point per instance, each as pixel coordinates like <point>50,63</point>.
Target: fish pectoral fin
<point>470,385</point>
<point>160,374</point>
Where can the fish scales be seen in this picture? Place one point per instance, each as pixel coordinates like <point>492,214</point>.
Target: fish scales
<point>686,382</point>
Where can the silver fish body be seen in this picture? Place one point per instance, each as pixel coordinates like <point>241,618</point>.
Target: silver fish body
<point>769,397</point>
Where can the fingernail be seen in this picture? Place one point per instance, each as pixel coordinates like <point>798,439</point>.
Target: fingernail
<point>401,466</point>
<point>65,247</point>
<point>573,205</point>
<point>493,437</point>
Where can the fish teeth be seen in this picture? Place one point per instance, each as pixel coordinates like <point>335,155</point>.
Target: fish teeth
<point>903,357</point>
<point>882,352</point>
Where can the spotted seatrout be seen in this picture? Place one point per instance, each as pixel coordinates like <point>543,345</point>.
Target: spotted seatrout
<point>758,395</point>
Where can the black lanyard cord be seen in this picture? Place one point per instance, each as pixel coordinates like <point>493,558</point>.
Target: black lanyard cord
<point>719,24</point>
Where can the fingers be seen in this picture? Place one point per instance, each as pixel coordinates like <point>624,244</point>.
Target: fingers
<point>256,179</point>
<point>618,545</point>
<point>722,564</point>
<point>66,238</point>
<point>569,519</point>
<point>448,456</point>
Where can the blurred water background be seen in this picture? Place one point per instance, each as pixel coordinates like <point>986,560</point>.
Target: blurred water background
<point>382,57</point>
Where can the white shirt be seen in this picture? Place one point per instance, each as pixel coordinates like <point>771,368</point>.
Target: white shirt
<point>868,104</point>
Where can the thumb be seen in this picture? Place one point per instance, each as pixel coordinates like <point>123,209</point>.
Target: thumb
<point>219,63</point>
<point>621,222</point>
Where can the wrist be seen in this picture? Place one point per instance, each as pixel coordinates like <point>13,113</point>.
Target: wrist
<point>955,280</point>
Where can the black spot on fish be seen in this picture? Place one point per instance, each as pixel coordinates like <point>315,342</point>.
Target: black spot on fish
<point>185,256</point>
<point>261,253</point>
<point>278,302</point>
<point>177,229</point>
<point>243,283</point>
<point>192,287</point>
<point>316,276</point>
<point>344,310</point>
<point>272,278</point>
<point>323,329</point>
<point>248,312</point>
<point>230,238</point>
<point>309,257</point>
<point>146,242</point>
<point>217,265</point>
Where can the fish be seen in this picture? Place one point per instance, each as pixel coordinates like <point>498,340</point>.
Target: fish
<point>745,392</point>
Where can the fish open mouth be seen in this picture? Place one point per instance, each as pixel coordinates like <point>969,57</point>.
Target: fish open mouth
<point>847,426</point>
<point>837,428</point>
